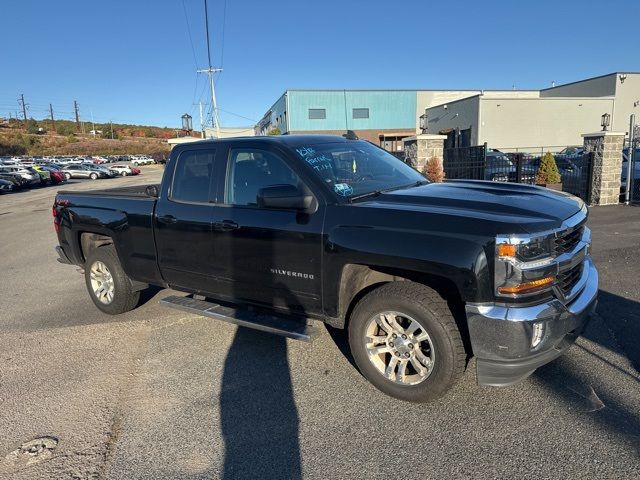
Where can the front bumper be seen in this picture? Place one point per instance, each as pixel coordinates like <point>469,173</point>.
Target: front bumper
<point>510,342</point>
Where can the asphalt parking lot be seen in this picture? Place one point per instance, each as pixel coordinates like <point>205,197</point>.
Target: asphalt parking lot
<point>156,393</point>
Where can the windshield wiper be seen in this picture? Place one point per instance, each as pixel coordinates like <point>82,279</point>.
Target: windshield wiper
<point>375,193</point>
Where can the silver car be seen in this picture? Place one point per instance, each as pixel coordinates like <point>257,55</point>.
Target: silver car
<point>31,178</point>
<point>81,171</point>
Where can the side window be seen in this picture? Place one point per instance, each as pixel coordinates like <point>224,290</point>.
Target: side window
<point>249,170</point>
<point>192,176</point>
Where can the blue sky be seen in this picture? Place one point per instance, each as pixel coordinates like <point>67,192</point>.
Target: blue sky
<point>132,61</point>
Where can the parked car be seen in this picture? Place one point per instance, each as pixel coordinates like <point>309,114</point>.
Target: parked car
<point>82,171</point>
<point>390,257</point>
<point>15,179</point>
<point>123,170</point>
<point>56,174</point>
<point>499,168</point>
<point>109,172</point>
<point>573,151</point>
<point>32,179</point>
<point>135,171</point>
<point>567,165</point>
<point>6,186</point>
<point>141,160</point>
<point>45,175</point>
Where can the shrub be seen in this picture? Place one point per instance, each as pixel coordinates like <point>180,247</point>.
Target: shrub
<point>32,126</point>
<point>433,170</point>
<point>275,131</point>
<point>548,171</point>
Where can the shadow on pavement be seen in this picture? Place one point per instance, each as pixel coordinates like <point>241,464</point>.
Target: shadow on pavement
<point>259,417</point>
<point>622,317</point>
<point>595,400</point>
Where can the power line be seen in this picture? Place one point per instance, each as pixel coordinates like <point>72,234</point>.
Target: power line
<point>193,50</point>
<point>238,115</point>
<point>224,22</point>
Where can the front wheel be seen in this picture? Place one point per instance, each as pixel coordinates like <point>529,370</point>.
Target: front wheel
<point>108,285</point>
<point>93,176</point>
<point>405,341</point>
<point>124,174</point>
<point>67,176</point>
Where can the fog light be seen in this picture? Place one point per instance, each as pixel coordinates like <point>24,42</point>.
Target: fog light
<point>538,333</point>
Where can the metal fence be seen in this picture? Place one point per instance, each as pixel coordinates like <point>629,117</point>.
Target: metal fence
<point>480,163</point>
<point>634,190</point>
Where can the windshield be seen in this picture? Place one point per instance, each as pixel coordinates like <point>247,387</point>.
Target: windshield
<point>357,167</point>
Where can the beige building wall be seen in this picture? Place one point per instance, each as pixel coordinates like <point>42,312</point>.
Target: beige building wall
<point>509,123</point>
<point>432,98</point>
<point>230,132</point>
<point>460,114</point>
<point>627,102</point>
<point>627,95</point>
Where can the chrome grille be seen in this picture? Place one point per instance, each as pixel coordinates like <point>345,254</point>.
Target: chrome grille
<point>567,280</point>
<point>567,241</point>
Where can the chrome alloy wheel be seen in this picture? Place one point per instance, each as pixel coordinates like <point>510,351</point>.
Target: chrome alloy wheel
<point>102,282</point>
<point>400,348</point>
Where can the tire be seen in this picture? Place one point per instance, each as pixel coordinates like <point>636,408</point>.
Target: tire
<point>67,176</point>
<point>93,176</point>
<point>123,298</point>
<point>442,349</point>
<point>124,174</point>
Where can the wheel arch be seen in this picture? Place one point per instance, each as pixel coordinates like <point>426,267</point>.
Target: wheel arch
<point>358,280</point>
<point>89,241</point>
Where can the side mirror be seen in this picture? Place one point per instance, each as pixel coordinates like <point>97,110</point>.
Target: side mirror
<point>284,196</point>
<point>152,191</point>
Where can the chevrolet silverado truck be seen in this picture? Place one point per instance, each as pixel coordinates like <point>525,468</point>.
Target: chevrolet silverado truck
<point>277,233</point>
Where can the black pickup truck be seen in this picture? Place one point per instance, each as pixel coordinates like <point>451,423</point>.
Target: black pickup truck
<point>275,232</point>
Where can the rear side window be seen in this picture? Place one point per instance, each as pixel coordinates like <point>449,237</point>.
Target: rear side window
<point>192,176</point>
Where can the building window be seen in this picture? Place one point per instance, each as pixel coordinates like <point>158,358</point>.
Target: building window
<point>317,114</point>
<point>360,113</point>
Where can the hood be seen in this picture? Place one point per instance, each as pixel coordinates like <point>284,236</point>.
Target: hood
<point>525,207</point>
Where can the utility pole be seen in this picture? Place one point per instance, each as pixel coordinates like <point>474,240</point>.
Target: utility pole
<point>111,124</point>
<point>53,122</point>
<point>93,125</point>
<point>24,108</point>
<point>75,107</point>
<point>210,71</point>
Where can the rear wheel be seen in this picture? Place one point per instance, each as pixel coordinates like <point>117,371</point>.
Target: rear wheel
<point>108,285</point>
<point>93,176</point>
<point>67,176</point>
<point>405,341</point>
<point>124,174</point>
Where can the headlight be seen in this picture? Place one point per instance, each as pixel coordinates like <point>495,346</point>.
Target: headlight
<point>524,266</point>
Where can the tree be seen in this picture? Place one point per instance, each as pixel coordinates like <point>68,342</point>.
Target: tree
<point>433,170</point>
<point>275,131</point>
<point>32,126</point>
<point>108,131</point>
<point>548,171</point>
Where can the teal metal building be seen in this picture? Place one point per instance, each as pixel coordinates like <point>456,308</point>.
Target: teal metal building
<point>383,117</point>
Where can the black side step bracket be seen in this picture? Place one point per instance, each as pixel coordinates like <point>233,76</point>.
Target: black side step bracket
<point>296,328</point>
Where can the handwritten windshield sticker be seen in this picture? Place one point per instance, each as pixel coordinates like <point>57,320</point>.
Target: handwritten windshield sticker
<point>305,152</point>
<point>343,189</point>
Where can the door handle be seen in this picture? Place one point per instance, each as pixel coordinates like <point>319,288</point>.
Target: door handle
<point>225,226</point>
<point>167,219</point>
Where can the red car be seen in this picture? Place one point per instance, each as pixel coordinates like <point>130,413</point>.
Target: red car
<point>135,170</point>
<point>57,176</point>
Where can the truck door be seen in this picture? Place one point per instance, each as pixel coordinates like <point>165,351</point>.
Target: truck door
<point>186,257</point>
<point>268,256</point>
